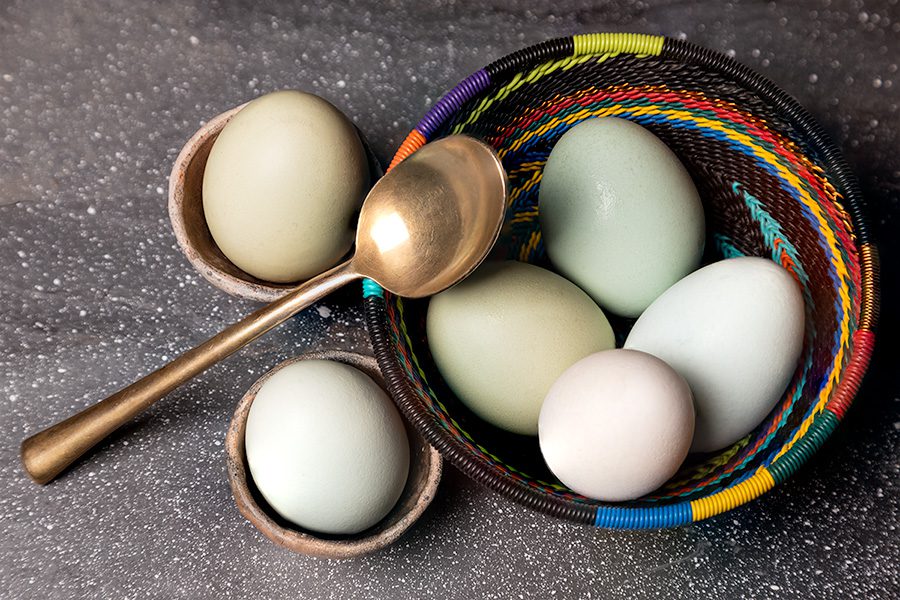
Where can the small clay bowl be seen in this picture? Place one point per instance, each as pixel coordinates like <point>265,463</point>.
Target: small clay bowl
<point>425,468</point>
<point>189,222</point>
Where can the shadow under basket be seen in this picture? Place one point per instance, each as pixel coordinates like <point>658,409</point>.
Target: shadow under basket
<point>772,185</point>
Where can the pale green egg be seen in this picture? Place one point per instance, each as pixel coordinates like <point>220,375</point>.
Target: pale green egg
<point>502,337</point>
<point>326,447</point>
<point>619,214</point>
<point>282,184</point>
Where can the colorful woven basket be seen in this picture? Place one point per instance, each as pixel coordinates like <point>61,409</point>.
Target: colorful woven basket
<point>773,185</point>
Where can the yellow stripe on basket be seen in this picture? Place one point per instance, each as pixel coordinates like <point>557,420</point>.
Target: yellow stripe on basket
<point>532,76</point>
<point>630,43</point>
<point>729,498</point>
<point>527,248</point>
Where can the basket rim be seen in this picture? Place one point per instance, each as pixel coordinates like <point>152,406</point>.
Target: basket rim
<point>765,477</point>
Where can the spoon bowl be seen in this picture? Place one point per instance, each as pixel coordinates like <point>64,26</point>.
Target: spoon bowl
<point>426,225</point>
<point>413,247</point>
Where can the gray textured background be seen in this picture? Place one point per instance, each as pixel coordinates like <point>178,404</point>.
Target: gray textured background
<point>96,99</point>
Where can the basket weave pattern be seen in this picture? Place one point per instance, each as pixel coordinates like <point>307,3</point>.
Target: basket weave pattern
<point>772,186</point>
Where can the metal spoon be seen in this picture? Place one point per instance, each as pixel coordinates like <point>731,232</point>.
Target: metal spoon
<point>423,227</point>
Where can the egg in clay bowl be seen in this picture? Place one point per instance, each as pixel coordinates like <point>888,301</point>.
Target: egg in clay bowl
<point>616,425</point>
<point>734,330</point>
<point>282,186</point>
<point>326,447</point>
<point>501,337</point>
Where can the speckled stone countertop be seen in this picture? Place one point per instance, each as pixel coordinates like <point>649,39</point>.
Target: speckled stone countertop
<point>96,99</point>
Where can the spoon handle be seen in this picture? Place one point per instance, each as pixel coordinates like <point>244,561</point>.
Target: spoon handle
<point>48,452</point>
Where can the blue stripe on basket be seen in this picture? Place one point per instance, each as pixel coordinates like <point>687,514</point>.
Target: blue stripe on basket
<point>615,517</point>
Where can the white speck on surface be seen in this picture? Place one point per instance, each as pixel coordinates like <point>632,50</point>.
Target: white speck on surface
<point>323,311</point>
<point>90,85</point>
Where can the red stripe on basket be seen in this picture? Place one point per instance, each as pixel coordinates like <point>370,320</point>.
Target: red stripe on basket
<point>863,345</point>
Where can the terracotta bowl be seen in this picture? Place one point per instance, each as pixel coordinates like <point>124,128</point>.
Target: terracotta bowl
<point>189,222</point>
<point>424,475</point>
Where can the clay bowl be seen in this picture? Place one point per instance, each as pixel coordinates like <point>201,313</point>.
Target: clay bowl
<point>189,222</point>
<point>425,468</point>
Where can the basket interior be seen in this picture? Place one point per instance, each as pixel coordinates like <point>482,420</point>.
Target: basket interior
<point>765,193</point>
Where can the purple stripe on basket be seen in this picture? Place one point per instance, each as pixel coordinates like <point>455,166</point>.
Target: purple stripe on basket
<point>450,103</point>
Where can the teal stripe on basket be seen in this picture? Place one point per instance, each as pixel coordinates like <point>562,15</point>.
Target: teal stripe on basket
<point>370,288</point>
<point>616,517</point>
<point>773,235</point>
<point>726,246</point>
<point>805,447</point>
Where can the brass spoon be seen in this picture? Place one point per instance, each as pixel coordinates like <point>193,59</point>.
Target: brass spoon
<point>423,227</point>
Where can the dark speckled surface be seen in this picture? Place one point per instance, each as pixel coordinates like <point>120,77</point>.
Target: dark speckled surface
<point>96,99</point>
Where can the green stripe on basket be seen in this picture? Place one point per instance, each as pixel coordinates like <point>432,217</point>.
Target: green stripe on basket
<point>805,447</point>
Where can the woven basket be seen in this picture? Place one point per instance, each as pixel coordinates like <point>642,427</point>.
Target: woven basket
<point>772,184</point>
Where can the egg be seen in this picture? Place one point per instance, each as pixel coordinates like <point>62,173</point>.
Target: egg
<point>616,425</point>
<point>326,447</point>
<point>282,185</point>
<point>619,214</point>
<point>734,330</point>
<point>502,337</point>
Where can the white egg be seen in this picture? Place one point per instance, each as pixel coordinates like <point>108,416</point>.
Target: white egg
<point>619,214</point>
<point>734,330</point>
<point>616,425</point>
<point>282,184</point>
<point>326,447</point>
<point>502,337</point>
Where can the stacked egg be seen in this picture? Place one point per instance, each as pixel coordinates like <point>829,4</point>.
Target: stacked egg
<point>531,351</point>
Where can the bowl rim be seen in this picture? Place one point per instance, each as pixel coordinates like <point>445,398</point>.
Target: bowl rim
<point>302,541</point>
<point>739,492</point>
<point>227,282</point>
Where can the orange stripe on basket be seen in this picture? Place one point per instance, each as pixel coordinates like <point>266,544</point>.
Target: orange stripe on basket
<point>413,142</point>
<point>870,285</point>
